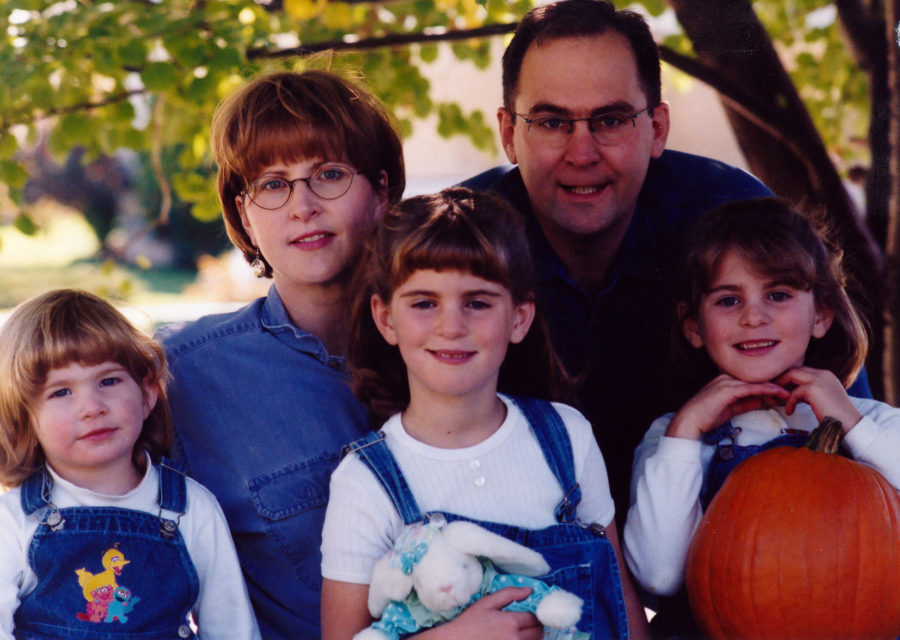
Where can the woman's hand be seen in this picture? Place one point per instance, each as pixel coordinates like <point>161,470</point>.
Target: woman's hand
<point>821,390</point>
<point>721,399</point>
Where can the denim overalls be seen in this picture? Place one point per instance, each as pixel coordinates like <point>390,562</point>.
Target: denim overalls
<point>582,558</point>
<point>729,455</point>
<point>106,573</point>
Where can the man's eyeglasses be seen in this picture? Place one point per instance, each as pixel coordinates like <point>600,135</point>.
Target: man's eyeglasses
<point>329,182</point>
<point>609,128</point>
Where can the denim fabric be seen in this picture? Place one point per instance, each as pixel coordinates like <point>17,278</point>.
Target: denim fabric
<point>616,341</point>
<point>729,455</point>
<point>261,411</point>
<point>580,556</point>
<point>106,573</point>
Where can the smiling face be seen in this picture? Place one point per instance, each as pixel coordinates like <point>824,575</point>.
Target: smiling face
<point>88,419</point>
<point>453,330</point>
<point>311,241</point>
<point>754,328</point>
<point>582,188</point>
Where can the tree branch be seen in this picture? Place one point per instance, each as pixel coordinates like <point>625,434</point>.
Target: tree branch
<point>392,40</point>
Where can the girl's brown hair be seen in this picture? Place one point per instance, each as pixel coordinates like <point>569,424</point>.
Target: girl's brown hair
<point>288,116</point>
<point>782,244</point>
<point>456,229</point>
<point>56,329</point>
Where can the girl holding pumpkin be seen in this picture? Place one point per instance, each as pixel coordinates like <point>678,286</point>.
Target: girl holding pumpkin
<point>770,338</point>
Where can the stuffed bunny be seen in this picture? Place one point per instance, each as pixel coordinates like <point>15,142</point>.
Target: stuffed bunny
<point>435,571</point>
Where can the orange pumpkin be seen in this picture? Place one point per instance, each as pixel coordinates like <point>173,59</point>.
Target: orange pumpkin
<point>798,544</point>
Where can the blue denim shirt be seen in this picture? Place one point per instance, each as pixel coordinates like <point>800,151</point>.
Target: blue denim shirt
<point>261,411</point>
<point>617,341</point>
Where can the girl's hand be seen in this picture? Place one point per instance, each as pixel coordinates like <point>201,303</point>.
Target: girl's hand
<point>485,619</point>
<point>821,390</point>
<point>720,400</point>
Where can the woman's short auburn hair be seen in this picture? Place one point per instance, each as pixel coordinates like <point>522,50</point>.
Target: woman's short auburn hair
<point>288,116</point>
<point>56,329</point>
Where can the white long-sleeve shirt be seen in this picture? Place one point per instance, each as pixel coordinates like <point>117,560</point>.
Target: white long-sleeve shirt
<point>222,610</point>
<point>668,475</point>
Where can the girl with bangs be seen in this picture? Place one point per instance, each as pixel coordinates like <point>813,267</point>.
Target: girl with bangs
<point>770,341</point>
<point>307,164</point>
<point>448,349</point>
<point>99,536</point>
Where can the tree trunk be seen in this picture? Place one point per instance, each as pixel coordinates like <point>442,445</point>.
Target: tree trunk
<point>892,245</point>
<point>777,136</point>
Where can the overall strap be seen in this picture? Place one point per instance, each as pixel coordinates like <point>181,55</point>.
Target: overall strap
<point>374,452</point>
<point>550,431</point>
<point>35,491</point>
<point>172,487</point>
<point>724,430</point>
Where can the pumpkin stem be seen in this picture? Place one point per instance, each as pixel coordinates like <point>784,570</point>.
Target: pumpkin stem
<point>826,438</point>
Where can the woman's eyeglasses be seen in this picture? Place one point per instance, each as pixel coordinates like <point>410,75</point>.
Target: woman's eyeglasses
<point>329,182</point>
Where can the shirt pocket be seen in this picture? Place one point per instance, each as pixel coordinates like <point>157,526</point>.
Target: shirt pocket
<point>291,502</point>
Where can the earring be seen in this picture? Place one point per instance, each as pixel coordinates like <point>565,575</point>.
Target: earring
<point>258,266</point>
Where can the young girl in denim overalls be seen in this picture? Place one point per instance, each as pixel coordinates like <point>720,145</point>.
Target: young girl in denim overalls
<point>770,338</point>
<point>446,317</point>
<point>99,537</point>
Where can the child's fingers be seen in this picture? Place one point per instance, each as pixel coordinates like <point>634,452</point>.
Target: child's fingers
<point>503,597</point>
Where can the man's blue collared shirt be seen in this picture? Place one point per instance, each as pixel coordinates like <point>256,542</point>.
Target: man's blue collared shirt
<point>261,411</point>
<point>616,342</point>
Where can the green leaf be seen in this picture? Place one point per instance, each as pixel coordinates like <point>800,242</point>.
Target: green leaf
<point>160,76</point>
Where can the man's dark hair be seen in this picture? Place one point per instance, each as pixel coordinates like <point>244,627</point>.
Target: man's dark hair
<point>582,18</point>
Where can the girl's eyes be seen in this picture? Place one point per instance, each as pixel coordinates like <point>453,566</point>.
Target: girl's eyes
<point>422,304</point>
<point>727,301</point>
<point>59,393</point>
<point>780,296</point>
<point>478,305</point>
<point>108,382</point>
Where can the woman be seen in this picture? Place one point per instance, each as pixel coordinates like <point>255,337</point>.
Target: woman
<point>308,163</point>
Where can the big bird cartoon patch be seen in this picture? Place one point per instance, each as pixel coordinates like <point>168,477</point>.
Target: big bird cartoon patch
<point>107,601</point>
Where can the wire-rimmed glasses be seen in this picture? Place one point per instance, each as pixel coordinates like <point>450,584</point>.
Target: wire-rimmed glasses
<point>329,182</point>
<point>610,128</point>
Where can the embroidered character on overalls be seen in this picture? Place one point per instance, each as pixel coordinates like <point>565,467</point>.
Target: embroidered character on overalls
<point>101,589</point>
<point>121,604</point>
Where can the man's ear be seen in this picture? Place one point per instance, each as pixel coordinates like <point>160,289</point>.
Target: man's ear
<point>506,120</point>
<point>659,120</point>
<point>524,316</point>
<point>690,328</point>
<point>381,315</point>
<point>824,318</point>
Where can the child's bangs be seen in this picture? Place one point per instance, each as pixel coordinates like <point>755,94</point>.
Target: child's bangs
<point>74,340</point>
<point>779,261</point>
<point>786,263</point>
<point>455,250</point>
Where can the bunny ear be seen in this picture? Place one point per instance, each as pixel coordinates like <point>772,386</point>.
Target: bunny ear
<point>507,555</point>
<point>388,583</point>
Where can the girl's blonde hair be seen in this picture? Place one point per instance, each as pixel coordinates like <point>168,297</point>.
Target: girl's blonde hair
<point>56,329</point>
<point>456,229</point>
<point>782,244</point>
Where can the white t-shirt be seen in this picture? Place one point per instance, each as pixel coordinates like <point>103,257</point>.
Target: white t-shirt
<point>222,609</point>
<point>504,478</point>
<point>668,474</point>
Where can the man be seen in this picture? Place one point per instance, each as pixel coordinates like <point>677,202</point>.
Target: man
<point>583,119</point>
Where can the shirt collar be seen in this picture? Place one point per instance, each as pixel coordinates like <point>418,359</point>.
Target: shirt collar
<point>274,318</point>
